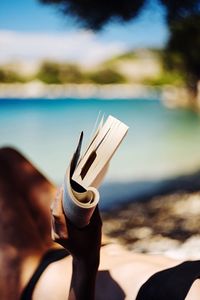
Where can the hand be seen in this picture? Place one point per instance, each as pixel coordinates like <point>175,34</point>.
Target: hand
<point>83,244</point>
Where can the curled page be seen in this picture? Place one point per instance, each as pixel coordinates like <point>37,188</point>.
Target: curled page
<point>78,206</point>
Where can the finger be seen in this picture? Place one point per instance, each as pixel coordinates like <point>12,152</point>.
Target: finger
<point>58,218</point>
<point>56,206</point>
<point>54,236</point>
<point>59,227</point>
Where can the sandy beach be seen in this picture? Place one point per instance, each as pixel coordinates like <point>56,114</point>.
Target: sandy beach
<point>166,221</point>
<point>37,89</point>
<point>170,96</point>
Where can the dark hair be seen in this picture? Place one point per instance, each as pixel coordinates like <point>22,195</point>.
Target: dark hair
<point>25,196</point>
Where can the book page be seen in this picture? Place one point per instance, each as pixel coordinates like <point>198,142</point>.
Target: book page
<point>103,153</point>
<point>97,140</point>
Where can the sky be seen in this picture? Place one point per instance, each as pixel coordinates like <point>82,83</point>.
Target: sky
<point>32,31</point>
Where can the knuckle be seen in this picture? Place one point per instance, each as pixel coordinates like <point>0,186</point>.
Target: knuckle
<point>55,237</point>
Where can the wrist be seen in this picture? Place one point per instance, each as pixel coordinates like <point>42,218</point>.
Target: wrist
<point>87,263</point>
<point>83,279</point>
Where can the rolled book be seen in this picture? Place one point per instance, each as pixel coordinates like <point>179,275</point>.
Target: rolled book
<point>85,174</point>
<point>79,206</point>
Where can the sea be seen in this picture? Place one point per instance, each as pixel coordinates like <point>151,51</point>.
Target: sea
<point>161,142</point>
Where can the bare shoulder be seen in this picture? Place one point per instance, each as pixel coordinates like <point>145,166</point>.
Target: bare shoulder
<point>194,291</point>
<point>55,281</point>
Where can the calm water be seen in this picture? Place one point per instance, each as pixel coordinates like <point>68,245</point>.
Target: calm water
<point>160,142</point>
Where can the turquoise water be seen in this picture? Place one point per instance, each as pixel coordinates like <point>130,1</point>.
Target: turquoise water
<point>160,143</point>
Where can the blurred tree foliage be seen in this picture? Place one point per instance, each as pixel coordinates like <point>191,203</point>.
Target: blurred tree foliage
<point>106,76</point>
<point>183,49</point>
<point>49,72</point>
<point>164,78</point>
<point>94,13</point>
<point>53,72</point>
<point>8,76</point>
<point>57,73</point>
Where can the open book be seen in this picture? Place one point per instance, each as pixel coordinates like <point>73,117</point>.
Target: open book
<point>86,172</point>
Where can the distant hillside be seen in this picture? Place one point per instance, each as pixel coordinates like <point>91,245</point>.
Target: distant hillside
<point>144,66</point>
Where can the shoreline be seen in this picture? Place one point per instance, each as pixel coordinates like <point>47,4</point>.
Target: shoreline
<point>169,95</point>
<point>37,89</point>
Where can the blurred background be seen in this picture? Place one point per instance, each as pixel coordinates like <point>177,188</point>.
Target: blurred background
<point>61,62</point>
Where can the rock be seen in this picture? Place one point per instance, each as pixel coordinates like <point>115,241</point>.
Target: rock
<point>165,224</point>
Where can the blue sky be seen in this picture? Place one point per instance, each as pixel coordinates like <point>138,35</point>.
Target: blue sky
<point>29,17</point>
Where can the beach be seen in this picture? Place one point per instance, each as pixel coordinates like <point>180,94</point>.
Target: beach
<point>37,89</point>
<point>163,219</point>
<point>171,96</point>
<point>166,225</point>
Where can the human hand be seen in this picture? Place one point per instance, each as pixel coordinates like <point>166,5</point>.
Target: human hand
<point>83,244</point>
